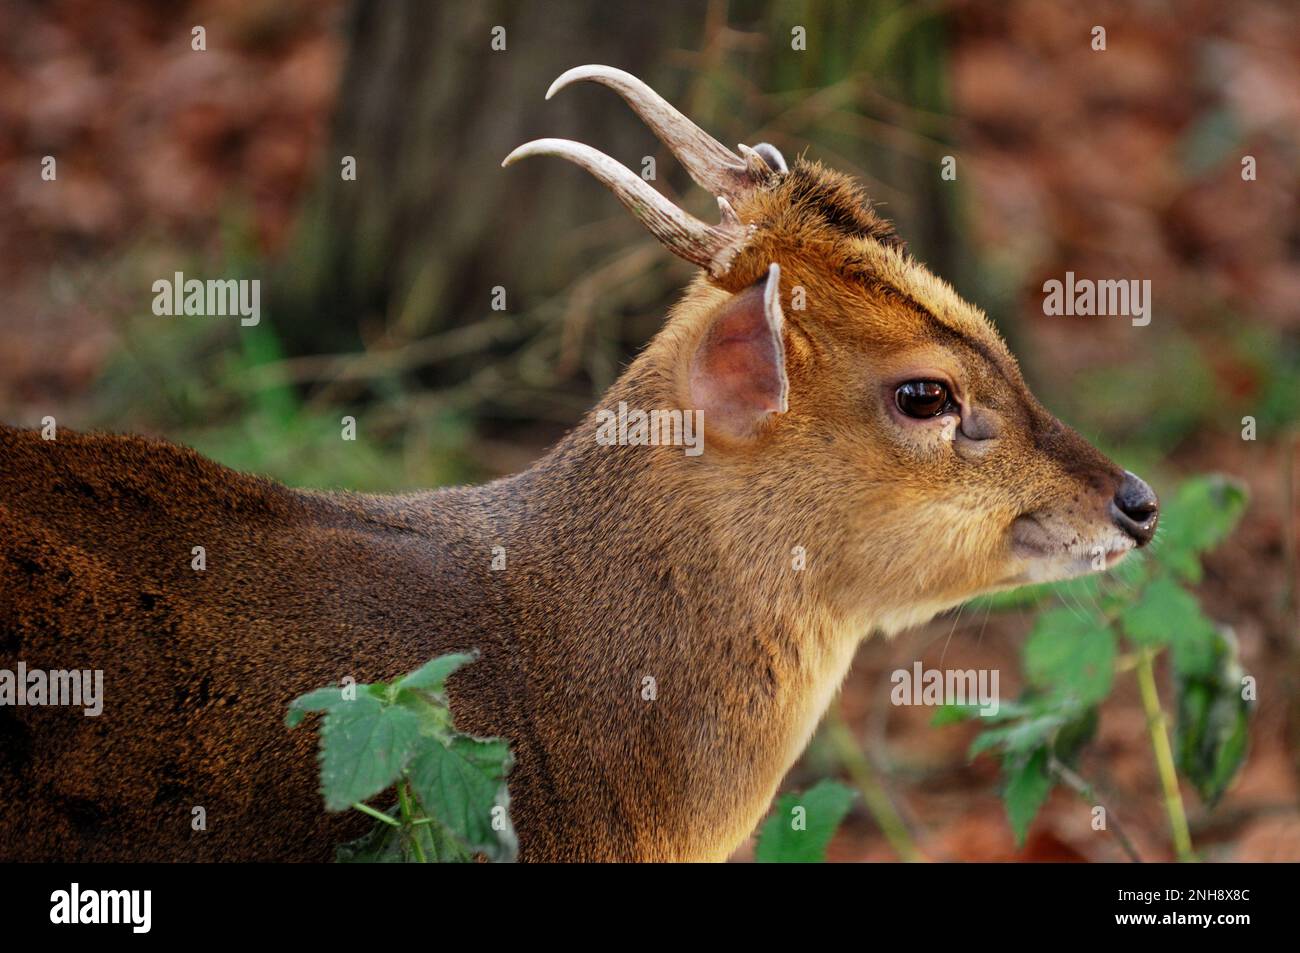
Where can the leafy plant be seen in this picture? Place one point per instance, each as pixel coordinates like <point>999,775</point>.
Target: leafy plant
<point>1117,624</point>
<point>800,828</point>
<point>452,800</point>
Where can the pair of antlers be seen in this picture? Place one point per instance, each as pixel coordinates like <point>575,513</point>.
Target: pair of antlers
<point>711,165</point>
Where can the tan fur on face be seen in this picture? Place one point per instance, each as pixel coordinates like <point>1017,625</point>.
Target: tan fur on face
<point>915,524</point>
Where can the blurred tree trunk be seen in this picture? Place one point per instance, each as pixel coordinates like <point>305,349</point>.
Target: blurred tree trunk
<point>428,109</point>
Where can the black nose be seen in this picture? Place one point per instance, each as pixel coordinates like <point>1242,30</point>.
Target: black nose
<point>1136,509</point>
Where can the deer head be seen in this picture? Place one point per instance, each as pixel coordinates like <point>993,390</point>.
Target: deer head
<point>853,403</point>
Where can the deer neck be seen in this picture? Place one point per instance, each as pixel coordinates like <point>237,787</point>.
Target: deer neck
<point>704,622</point>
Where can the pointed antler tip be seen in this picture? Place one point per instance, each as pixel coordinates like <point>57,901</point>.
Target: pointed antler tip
<point>578,73</point>
<point>709,163</point>
<point>522,152</point>
<point>565,148</point>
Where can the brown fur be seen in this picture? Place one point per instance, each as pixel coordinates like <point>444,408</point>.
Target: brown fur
<point>623,563</point>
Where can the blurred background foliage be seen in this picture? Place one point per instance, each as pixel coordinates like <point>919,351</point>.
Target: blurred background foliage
<point>377,292</point>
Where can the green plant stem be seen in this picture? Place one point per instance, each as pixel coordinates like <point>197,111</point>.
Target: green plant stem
<point>404,799</point>
<point>1146,677</point>
<point>877,801</point>
<point>377,815</point>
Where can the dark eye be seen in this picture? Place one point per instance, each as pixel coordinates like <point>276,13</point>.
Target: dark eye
<point>922,399</point>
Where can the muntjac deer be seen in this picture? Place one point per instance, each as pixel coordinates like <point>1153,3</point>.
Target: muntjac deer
<point>871,457</point>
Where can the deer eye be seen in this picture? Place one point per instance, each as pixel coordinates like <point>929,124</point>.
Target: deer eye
<point>923,399</point>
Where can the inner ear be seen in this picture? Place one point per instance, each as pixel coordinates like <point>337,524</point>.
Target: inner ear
<point>737,374</point>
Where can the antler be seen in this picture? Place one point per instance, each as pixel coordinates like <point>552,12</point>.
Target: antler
<point>709,246</point>
<point>711,164</point>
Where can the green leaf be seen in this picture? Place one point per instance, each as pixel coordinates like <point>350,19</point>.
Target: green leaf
<point>1167,614</point>
<point>441,846</point>
<point>1200,516</point>
<point>461,783</point>
<point>319,700</point>
<point>802,825</point>
<point>1053,722</point>
<point>364,745</point>
<point>1071,655</point>
<point>952,713</point>
<point>432,676</point>
<point>1147,621</point>
<point>1020,738</point>
<point>1027,787</point>
<point>1055,727</point>
<point>1212,728</point>
<point>404,732</point>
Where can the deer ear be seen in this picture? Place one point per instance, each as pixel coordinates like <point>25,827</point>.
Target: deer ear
<point>737,375</point>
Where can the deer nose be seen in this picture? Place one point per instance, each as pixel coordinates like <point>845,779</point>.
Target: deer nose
<point>1135,508</point>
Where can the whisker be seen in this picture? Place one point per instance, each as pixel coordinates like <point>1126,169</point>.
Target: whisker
<point>988,611</point>
<point>957,618</point>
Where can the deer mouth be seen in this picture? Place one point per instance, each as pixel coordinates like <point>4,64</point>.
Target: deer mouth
<point>1056,552</point>
<point>1113,557</point>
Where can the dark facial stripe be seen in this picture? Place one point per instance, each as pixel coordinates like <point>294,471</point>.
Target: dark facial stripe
<point>956,338</point>
<point>841,205</point>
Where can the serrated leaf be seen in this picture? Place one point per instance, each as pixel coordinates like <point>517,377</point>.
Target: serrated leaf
<point>432,676</point>
<point>1167,614</point>
<point>1027,786</point>
<point>788,837</point>
<point>1058,724</point>
<point>1146,621</point>
<point>431,709</point>
<point>1201,514</point>
<point>461,783</point>
<point>1018,739</point>
<point>443,847</point>
<point>364,745</point>
<point>1071,655</point>
<point>952,713</point>
<point>319,700</point>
